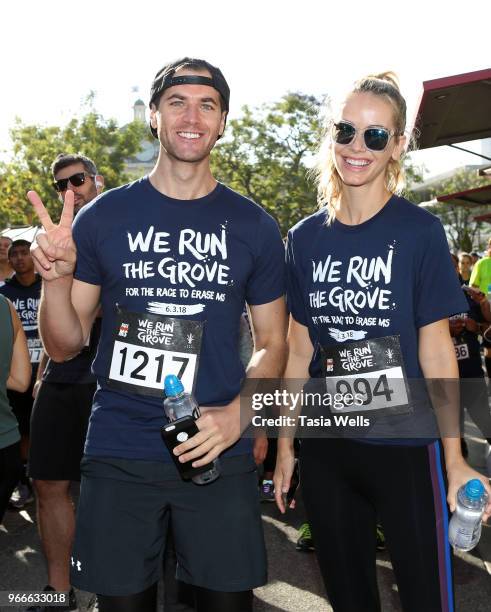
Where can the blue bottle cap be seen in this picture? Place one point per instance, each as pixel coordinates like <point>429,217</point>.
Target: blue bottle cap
<point>474,489</point>
<point>172,385</point>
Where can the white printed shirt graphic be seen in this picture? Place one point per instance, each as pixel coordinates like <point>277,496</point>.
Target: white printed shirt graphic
<point>76,563</point>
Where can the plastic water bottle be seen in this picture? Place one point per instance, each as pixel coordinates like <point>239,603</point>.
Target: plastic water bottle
<point>464,530</point>
<point>178,404</point>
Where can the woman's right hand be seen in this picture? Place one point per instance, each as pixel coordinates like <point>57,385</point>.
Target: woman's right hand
<point>285,463</point>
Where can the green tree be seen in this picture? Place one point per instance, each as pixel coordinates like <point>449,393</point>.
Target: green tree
<point>35,147</point>
<point>266,153</point>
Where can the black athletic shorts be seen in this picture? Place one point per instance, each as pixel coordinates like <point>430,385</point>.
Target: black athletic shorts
<point>60,416</point>
<point>22,407</point>
<point>122,520</point>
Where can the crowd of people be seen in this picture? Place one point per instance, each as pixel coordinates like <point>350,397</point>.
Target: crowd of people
<point>152,278</point>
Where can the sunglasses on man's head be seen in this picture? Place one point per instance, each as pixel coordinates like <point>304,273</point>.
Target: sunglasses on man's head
<point>76,180</point>
<point>375,138</point>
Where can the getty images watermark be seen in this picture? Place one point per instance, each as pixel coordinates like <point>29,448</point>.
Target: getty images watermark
<point>372,405</point>
<point>284,401</point>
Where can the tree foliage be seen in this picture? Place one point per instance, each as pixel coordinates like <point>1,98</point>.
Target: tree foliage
<point>266,153</point>
<point>35,147</point>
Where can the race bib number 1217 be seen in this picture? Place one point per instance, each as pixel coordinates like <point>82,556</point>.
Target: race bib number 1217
<point>148,347</point>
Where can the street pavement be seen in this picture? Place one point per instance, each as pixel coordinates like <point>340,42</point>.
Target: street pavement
<point>294,583</point>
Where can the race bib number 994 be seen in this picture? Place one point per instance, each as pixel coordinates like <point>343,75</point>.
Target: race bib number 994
<point>149,347</point>
<point>369,374</point>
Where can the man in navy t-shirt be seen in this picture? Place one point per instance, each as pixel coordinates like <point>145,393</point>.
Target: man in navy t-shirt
<point>171,259</point>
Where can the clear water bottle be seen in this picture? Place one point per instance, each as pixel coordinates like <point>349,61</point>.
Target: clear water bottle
<point>178,404</point>
<point>464,530</point>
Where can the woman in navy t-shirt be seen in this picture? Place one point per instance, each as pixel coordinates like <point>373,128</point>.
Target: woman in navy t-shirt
<point>370,289</point>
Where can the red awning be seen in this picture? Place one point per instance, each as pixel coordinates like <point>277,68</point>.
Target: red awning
<point>455,109</point>
<point>486,218</point>
<point>479,196</point>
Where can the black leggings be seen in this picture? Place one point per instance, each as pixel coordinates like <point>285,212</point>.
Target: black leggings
<point>11,470</point>
<point>346,486</point>
<point>205,601</point>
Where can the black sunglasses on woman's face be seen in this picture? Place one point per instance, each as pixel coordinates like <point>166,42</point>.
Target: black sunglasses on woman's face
<point>375,138</point>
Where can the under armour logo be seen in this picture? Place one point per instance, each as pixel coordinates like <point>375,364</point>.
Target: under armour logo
<point>76,563</point>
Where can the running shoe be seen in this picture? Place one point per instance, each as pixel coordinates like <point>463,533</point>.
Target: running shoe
<point>72,605</point>
<point>267,491</point>
<point>380,539</point>
<point>21,496</point>
<point>305,542</point>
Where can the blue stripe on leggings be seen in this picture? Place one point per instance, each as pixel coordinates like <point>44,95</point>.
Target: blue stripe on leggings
<point>435,457</point>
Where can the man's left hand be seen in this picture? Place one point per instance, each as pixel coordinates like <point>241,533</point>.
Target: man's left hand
<point>219,428</point>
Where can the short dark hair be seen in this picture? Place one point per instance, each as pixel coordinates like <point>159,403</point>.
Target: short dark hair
<point>17,243</point>
<point>67,159</point>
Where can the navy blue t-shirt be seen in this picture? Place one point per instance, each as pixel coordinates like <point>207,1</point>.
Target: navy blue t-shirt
<point>191,260</point>
<point>388,276</point>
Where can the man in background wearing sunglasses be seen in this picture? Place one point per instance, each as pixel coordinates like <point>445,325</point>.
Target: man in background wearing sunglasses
<point>61,411</point>
<point>78,173</point>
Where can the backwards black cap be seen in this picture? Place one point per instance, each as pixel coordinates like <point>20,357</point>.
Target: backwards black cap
<point>165,78</point>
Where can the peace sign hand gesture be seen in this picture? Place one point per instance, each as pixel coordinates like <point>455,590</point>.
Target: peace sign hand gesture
<point>54,252</point>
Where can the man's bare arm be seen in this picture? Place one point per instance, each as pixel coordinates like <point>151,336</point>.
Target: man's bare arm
<point>269,324</point>
<point>66,314</point>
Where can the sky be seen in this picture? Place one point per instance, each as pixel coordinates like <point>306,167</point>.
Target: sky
<point>53,53</point>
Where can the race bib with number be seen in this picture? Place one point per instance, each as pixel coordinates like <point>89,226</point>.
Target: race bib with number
<point>148,347</point>
<point>369,374</point>
<point>35,347</point>
<point>461,349</point>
